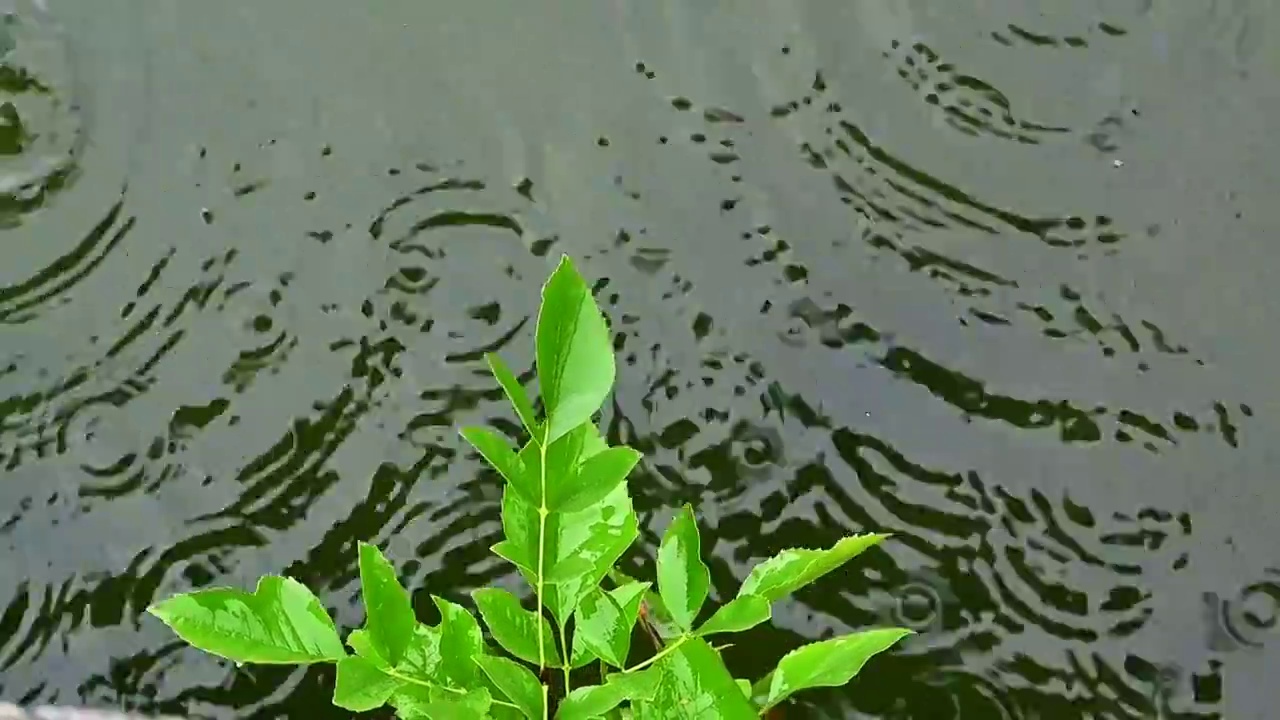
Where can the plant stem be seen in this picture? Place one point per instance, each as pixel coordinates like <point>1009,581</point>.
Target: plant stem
<point>665,652</point>
<point>564,653</point>
<point>542,539</point>
<point>415,681</point>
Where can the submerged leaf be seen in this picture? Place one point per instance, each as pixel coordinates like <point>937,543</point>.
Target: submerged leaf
<point>683,579</point>
<point>515,392</point>
<point>737,615</point>
<point>794,568</point>
<point>362,685</point>
<point>389,612</point>
<point>829,663</point>
<point>280,622</point>
<point>515,628</point>
<point>574,353</point>
<point>517,682</point>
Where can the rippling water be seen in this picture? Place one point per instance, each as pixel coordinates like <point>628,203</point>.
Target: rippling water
<point>991,277</point>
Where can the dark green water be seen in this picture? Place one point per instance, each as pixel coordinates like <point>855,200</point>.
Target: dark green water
<point>990,276</point>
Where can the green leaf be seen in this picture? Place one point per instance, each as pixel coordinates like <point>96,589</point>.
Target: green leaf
<point>362,685</point>
<point>652,609</point>
<point>744,686</point>
<point>683,579</point>
<point>737,615</point>
<point>281,622</point>
<point>574,353</point>
<point>515,628</point>
<point>592,539</point>
<point>517,682</point>
<point>595,700</point>
<point>389,613</point>
<point>694,684</point>
<point>594,479</point>
<point>829,663</point>
<point>504,459</point>
<point>360,642</point>
<point>436,703</point>
<point>603,624</point>
<point>460,643</point>
<point>422,657</point>
<point>794,568</point>
<point>515,392</point>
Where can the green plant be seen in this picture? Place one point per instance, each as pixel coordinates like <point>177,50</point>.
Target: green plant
<point>567,519</point>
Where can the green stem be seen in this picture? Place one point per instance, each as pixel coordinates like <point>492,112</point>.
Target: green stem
<point>542,540</point>
<point>415,681</point>
<point>564,653</point>
<point>665,652</point>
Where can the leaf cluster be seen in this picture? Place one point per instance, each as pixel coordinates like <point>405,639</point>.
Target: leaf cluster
<point>567,519</point>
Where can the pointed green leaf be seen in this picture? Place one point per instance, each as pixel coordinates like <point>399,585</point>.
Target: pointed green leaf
<point>280,622</point>
<point>594,479</point>
<point>504,459</point>
<point>564,457</point>
<point>603,624</point>
<point>515,628</point>
<point>362,686</point>
<point>515,393</point>
<point>595,538</point>
<point>794,568</point>
<point>389,613</point>
<point>422,657</point>
<point>829,663</point>
<point>694,684</point>
<point>745,687</point>
<point>460,643</point>
<point>737,615</point>
<point>652,609</point>
<point>362,644</point>
<point>574,353</point>
<point>594,701</point>
<point>683,579</point>
<point>517,682</point>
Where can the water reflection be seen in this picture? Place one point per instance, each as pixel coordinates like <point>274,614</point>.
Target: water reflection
<point>827,319</point>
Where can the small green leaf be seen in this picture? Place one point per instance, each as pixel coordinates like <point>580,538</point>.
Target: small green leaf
<point>422,660</point>
<point>574,353</point>
<point>504,459</point>
<point>281,622</point>
<point>461,641</point>
<point>745,687</point>
<point>594,479</point>
<point>389,613</point>
<point>737,615</point>
<point>593,701</point>
<point>362,685</point>
<point>517,682</point>
<point>683,579</point>
<point>694,684</point>
<point>794,568</point>
<point>829,663</point>
<point>603,624</point>
<point>515,392</point>
<point>652,609</point>
<point>513,627</point>
<point>436,703</point>
<point>360,642</point>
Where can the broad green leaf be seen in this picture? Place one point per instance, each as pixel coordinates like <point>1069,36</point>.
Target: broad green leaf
<point>515,628</point>
<point>362,685</point>
<point>516,682</point>
<point>653,611</point>
<point>389,613</point>
<point>280,622</point>
<point>596,536</point>
<point>603,624</point>
<point>504,459</point>
<point>594,701</point>
<point>574,353</point>
<point>829,663</point>
<point>694,684</point>
<point>422,657</point>
<point>737,615</point>
<point>794,568</point>
<point>594,479</point>
<point>515,393</point>
<point>360,642</point>
<point>437,703</point>
<point>460,643</point>
<point>564,457</point>
<point>683,579</point>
